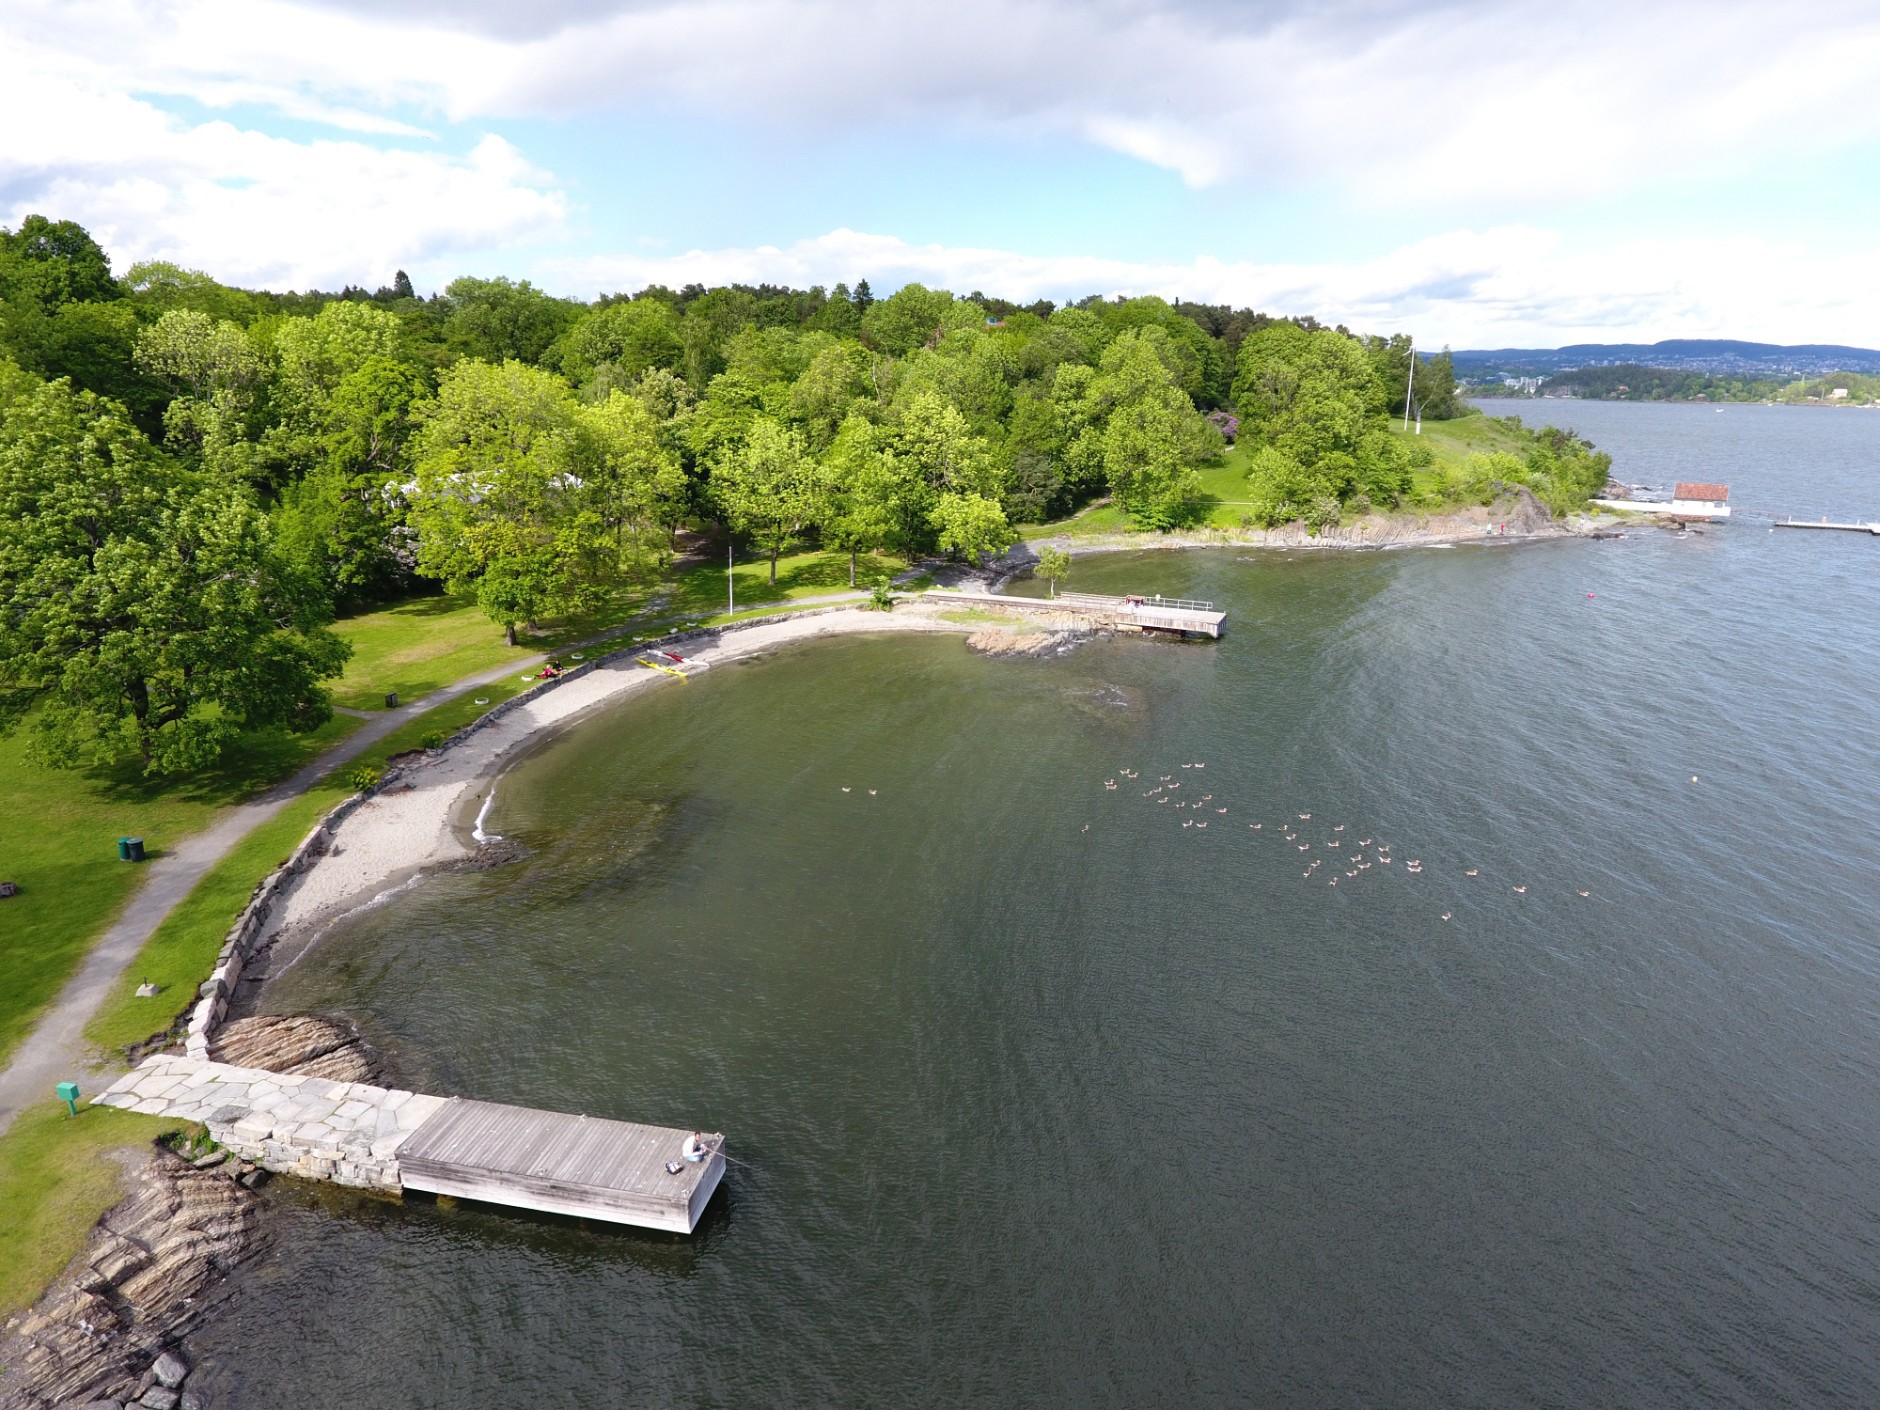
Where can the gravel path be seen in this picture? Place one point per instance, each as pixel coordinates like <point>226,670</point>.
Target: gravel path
<point>56,1050</point>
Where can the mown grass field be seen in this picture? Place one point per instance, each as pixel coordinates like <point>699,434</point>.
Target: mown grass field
<point>416,646</point>
<point>809,573</point>
<point>58,841</point>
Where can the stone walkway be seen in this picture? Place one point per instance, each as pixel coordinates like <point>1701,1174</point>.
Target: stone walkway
<point>346,1132</point>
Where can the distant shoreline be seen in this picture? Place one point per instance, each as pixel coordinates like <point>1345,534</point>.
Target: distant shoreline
<point>1513,518</point>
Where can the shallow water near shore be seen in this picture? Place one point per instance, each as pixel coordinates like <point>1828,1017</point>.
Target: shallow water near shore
<point>1054,1100</point>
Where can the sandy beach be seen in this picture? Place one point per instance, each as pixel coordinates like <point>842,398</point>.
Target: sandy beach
<point>424,817</point>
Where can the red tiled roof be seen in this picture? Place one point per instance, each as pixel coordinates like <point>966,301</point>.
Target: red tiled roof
<point>1697,491</point>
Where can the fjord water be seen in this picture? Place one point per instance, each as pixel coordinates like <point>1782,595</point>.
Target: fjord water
<point>1049,1099</point>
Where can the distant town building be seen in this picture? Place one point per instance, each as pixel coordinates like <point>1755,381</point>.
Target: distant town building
<point>1837,394</point>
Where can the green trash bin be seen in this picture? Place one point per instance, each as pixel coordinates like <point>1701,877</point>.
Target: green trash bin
<point>124,849</point>
<point>133,849</point>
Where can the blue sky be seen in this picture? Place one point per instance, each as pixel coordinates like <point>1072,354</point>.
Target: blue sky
<point>1476,174</point>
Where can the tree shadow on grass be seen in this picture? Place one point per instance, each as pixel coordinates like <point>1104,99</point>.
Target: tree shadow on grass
<point>253,763</point>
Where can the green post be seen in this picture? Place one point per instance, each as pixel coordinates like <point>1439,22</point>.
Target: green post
<point>68,1093</point>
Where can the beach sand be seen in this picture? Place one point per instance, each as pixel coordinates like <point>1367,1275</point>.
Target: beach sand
<point>424,817</point>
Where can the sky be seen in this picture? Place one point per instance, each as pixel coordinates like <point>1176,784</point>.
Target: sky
<point>1476,174</point>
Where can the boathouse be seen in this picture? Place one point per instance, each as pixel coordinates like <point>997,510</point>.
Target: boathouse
<point>1693,500</point>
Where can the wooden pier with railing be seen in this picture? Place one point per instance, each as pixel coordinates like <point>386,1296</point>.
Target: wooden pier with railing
<point>1179,616</point>
<point>1825,523</point>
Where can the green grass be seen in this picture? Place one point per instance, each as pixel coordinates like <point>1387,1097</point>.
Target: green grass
<point>58,840</point>
<point>1224,485</point>
<point>181,953</point>
<point>810,574</point>
<point>414,647</point>
<point>54,1184</point>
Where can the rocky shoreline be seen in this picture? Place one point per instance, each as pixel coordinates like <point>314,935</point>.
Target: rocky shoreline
<point>1517,515</point>
<point>112,1332</point>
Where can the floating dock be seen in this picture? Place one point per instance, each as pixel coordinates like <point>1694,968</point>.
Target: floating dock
<point>385,1139</point>
<point>1824,523</point>
<point>1179,615</point>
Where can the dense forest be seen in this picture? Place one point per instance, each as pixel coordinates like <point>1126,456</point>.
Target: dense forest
<point>195,478</point>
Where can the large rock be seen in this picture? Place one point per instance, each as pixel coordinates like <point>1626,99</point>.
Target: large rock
<point>306,1044</point>
<point>170,1370</point>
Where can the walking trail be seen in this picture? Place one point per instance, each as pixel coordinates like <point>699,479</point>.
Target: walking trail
<point>56,1050</point>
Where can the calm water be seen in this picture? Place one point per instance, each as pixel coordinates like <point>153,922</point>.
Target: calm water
<point>1043,1115</point>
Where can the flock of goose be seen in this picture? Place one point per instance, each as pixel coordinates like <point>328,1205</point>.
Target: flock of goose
<point>1350,859</point>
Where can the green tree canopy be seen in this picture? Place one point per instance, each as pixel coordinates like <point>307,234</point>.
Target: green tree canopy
<point>496,504</point>
<point>497,319</point>
<point>345,519</point>
<point>768,486</point>
<point>628,338</point>
<point>144,608</point>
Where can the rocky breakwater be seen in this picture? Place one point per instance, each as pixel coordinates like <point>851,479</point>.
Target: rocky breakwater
<point>109,1334</point>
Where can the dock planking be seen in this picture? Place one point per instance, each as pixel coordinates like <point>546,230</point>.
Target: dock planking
<point>391,1140</point>
<point>1179,616</point>
<point>586,1166</point>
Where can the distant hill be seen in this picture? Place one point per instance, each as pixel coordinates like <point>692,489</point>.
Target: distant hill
<point>1725,355</point>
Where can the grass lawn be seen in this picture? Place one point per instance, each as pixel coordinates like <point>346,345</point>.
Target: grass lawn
<point>413,647</point>
<point>701,588</point>
<point>54,1184</point>
<point>181,953</point>
<point>58,840</point>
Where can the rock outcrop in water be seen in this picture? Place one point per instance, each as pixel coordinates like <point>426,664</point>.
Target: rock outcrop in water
<point>997,641</point>
<point>305,1044</point>
<point>109,1332</point>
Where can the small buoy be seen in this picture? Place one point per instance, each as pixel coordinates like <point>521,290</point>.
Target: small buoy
<point>1592,594</point>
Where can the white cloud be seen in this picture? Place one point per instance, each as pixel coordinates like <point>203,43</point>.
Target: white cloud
<point>1383,100</point>
<point>1508,286</point>
<point>1497,116</point>
<point>249,206</point>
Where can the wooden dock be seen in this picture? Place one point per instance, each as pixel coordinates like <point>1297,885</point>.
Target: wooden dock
<point>1825,523</point>
<point>585,1166</point>
<point>1175,615</point>
<point>390,1140</point>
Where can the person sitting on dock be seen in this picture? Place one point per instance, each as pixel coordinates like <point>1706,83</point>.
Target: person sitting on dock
<point>693,1148</point>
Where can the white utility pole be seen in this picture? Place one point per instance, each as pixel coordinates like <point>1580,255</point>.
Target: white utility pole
<point>731,583</point>
<point>1409,386</point>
